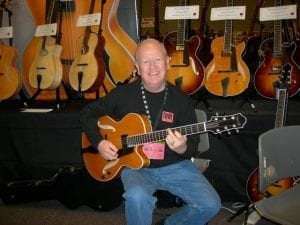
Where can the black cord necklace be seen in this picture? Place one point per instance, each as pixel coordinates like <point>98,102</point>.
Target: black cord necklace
<point>147,106</point>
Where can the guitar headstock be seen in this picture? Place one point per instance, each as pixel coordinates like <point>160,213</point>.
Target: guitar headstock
<point>227,123</point>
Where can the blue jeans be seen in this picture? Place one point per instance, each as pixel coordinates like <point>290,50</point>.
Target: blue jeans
<point>182,179</point>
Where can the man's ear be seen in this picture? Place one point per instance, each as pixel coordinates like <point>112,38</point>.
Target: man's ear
<point>136,68</point>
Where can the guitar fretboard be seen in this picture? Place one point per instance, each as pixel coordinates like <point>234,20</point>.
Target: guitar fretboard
<point>277,44</point>
<point>162,134</point>
<point>228,33</point>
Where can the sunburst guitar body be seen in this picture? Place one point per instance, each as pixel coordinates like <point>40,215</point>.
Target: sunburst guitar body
<point>186,70</point>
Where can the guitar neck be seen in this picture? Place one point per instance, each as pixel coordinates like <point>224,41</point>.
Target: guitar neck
<point>214,125</point>
<point>281,107</point>
<point>162,134</point>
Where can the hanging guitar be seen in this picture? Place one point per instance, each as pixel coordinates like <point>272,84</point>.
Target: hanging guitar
<point>46,69</point>
<point>204,53</point>
<point>134,130</point>
<point>275,54</point>
<point>252,184</point>
<point>119,48</point>
<point>10,78</point>
<point>227,74</point>
<point>87,71</point>
<point>186,70</point>
<point>251,53</point>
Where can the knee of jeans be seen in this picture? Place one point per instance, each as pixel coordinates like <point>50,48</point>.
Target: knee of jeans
<point>139,196</point>
<point>213,207</point>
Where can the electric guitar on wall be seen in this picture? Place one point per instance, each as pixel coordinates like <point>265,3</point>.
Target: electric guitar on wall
<point>186,70</point>
<point>252,185</point>
<point>275,55</point>
<point>129,141</point>
<point>227,74</point>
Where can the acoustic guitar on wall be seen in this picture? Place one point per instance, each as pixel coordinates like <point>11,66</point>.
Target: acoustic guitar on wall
<point>10,78</point>
<point>227,74</point>
<point>87,71</point>
<point>46,69</point>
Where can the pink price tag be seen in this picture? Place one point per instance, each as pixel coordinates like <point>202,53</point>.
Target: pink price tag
<point>154,150</point>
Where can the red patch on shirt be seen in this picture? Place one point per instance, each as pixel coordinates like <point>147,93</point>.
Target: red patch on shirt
<point>167,117</point>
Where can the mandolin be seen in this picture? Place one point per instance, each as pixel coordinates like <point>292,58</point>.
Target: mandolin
<point>186,70</point>
<point>134,130</point>
<point>275,55</point>
<point>227,74</point>
<point>46,69</point>
<point>10,78</point>
<point>87,70</point>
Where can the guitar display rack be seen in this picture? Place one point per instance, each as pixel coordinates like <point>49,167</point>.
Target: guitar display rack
<point>39,91</point>
<point>27,103</point>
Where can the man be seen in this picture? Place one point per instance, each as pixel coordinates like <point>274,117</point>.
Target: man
<point>170,165</point>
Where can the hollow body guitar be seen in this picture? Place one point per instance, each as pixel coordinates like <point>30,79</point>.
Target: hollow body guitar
<point>253,192</point>
<point>277,55</point>
<point>129,141</point>
<point>46,69</point>
<point>10,78</point>
<point>269,70</point>
<point>87,72</point>
<point>227,74</point>
<point>186,70</point>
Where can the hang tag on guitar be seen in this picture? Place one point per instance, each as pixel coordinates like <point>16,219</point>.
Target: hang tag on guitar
<point>154,150</point>
<point>46,30</point>
<point>278,13</point>
<point>6,32</point>
<point>89,20</point>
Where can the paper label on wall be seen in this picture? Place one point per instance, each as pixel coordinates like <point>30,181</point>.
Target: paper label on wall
<point>46,30</point>
<point>228,13</point>
<point>89,20</point>
<point>182,12</point>
<point>278,13</point>
<point>147,22</point>
<point>6,32</point>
